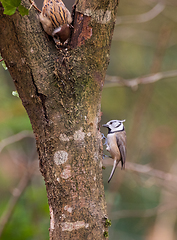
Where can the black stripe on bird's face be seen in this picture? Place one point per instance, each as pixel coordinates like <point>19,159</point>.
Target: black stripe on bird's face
<point>112,131</point>
<point>117,125</point>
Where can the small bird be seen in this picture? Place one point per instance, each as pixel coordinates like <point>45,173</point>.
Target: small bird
<point>56,20</point>
<point>116,143</point>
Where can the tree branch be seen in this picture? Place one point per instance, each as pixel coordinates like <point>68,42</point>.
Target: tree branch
<point>17,193</point>
<point>60,89</point>
<point>146,169</point>
<point>15,138</point>
<point>114,81</point>
<point>145,17</point>
<point>143,213</point>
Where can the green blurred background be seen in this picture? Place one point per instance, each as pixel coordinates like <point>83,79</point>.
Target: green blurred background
<point>142,199</point>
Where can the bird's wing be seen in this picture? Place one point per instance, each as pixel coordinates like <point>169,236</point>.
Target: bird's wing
<point>121,143</point>
<point>56,12</point>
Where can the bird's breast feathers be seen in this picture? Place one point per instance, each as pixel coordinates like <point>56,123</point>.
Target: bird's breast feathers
<point>112,146</point>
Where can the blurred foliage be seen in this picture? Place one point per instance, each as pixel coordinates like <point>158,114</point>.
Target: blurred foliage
<point>30,219</point>
<point>13,117</point>
<point>134,199</point>
<point>10,7</point>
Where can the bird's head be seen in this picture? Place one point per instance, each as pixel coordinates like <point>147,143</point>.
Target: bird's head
<point>114,126</point>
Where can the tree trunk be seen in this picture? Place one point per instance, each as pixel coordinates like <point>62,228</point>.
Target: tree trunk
<point>61,92</point>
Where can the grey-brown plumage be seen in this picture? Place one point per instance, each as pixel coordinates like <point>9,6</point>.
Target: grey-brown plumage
<point>116,143</point>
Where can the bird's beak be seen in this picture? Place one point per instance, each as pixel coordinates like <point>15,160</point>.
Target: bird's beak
<point>104,125</point>
<point>123,120</point>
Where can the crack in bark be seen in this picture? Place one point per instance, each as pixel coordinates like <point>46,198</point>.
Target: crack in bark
<point>42,98</point>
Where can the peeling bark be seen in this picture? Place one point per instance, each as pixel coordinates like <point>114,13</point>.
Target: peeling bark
<point>61,92</point>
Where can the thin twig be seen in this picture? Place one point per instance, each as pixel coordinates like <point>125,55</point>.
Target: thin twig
<point>114,81</point>
<point>34,5</point>
<point>145,17</point>
<point>146,169</point>
<point>17,192</point>
<point>151,172</point>
<point>143,213</point>
<point>15,138</point>
<point>1,59</point>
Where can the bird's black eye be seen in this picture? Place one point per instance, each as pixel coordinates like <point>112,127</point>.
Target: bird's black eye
<point>111,122</point>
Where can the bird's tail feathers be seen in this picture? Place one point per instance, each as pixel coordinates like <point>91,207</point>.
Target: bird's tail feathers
<point>113,170</point>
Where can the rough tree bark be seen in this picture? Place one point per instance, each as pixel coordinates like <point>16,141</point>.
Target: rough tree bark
<point>61,92</point>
